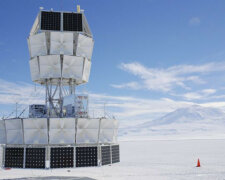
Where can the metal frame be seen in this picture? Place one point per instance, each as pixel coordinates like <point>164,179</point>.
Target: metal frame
<point>53,103</point>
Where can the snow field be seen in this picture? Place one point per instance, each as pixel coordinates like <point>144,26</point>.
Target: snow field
<point>144,160</point>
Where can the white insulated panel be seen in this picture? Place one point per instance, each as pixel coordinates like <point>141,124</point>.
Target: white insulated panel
<point>35,131</point>
<point>83,123</point>
<point>14,131</point>
<point>50,66</point>
<point>108,136</point>
<point>62,130</point>
<point>108,131</point>
<point>87,69</point>
<point>87,130</point>
<point>37,45</point>
<point>61,43</point>
<point>84,46</point>
<point>34,69</point>
<point>73,67</point>
<point>87,136</point>
<point>2,132</point>
<point>1,156</point>
<point>109,124</point>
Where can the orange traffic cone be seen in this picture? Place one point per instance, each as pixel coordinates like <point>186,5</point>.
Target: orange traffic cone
<point>198,163</point>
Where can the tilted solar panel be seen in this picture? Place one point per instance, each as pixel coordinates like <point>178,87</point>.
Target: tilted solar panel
<point>72,22</point>
<point>115,153</point>
<point>106,155</point>
<point>50,21</point>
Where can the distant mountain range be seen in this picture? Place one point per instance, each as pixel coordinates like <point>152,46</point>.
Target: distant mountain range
<point>192,122</point>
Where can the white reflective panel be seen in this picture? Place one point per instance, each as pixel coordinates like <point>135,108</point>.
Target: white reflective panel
<point>1,156</point>
<point>87,69</point>
<point>35,131</point>
<point>84,46</point>
<point>37,45</point>
<point>13,124</point>
<point>73,67</point>
<point>87,130</point>
<point>2,132</point>
<point>34,69</point>
<point>109,124</point>
<point>87,136</point>
<point>83,123</point>
<point>108,136</point>
<point>62,130</point>
<point>14,131</point>
<point>50,66</point>
<point>61,43</point>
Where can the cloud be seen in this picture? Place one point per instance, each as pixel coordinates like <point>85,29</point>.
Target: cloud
<point>122,107</point>
<point>203,94</point>
<point>167,79</point>
<point>132,85</point>
<point>209,91</point>
<point>129,110</point>
<point>21,93</point>
<point>194,21</point>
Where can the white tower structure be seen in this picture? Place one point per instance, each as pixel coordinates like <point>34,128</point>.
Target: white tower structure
<point>59,134</point>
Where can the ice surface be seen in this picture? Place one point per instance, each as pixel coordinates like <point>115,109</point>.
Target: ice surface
<point>150,160</point>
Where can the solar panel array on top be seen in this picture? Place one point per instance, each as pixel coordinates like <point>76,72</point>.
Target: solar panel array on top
<point>50,20</point>
<point>72,22</point>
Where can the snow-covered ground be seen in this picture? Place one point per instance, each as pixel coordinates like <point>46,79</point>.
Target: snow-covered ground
<point>156,160</point>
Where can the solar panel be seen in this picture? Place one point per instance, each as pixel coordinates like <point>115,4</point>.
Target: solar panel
<point>86,156</point>
<point>14,157</point>
<point>35,158</point>
<point>50,21</point>
<point>72,22</point>
<point>106,157</point>
<point>115,153</point>
<point>62,157</point>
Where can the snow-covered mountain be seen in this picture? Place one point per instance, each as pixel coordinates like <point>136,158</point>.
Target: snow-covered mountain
<point>191,122</point>
<point>191,114</point>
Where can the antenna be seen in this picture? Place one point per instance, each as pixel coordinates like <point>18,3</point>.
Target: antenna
<point>78,8</point>
<point>60,45</point>
<point>104,110</point>
<point>16,108</point>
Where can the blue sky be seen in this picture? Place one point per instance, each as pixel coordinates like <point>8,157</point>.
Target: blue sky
<point>150,56</point>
